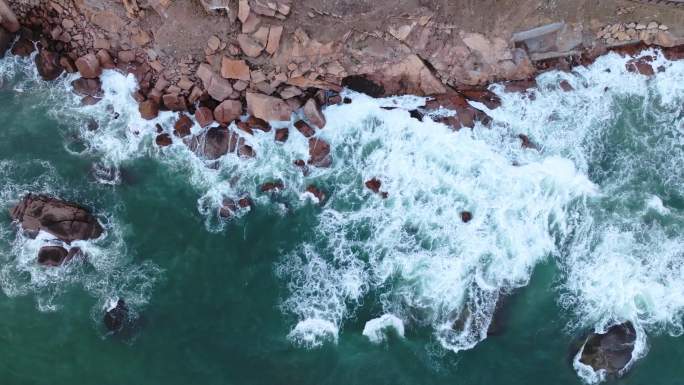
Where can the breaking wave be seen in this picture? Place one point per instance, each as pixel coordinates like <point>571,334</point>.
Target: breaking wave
<point>602,196</point>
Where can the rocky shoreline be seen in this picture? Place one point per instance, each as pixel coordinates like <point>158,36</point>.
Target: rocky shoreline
<point>266,69</point>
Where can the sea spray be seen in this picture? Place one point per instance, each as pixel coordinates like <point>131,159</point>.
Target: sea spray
<point>443,273</point>
<point>585,198</point>
<point>105,267</point>
<point>377,329</point>
<point>623,258</point>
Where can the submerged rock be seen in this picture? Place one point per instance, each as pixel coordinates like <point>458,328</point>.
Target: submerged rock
<point>66,221</point>
<point>466,216</point>
<point>116,316</point>
<point>230,207</point>
<point>610,351</point>
<point>319,194</point>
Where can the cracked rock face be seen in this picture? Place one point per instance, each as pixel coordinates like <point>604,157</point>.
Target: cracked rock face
<point>66,221</point>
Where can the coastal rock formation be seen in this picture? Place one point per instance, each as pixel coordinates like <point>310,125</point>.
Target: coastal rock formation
<point>48,66</point>
<point>56,255</point>
<point>52,255</point>
<point>66,221</point>
<point>610,351</point>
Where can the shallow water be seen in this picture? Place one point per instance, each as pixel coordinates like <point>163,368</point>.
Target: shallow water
<point>581,234</point>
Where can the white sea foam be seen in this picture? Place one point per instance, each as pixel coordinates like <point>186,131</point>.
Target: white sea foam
<point>376,329</point>
<point>411,249</point>
<point>624,130</point>
<point>107,269</point>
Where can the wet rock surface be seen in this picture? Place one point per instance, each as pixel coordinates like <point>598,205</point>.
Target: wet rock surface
<point>610,351</point>
<point>66,221</point>
<point>116,317</point>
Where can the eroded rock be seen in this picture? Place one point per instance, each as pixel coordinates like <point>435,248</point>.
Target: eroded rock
<point>64,220</point>
<point>610,351</point>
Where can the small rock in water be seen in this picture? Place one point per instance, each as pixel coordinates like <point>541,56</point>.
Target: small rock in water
<point>417,115</point>
<point>318,193</point>
<point>272,186</point>
<point>182,126</point>
<point>52,255</point>
<point>305,129</point>
<point>526,142</point>
<point>116,316</point>
<point>565,86</point>
<point>163,140</point>
<point>374,185</point>
<point>282,134</point>
<point>610,351</point>
<point>466,216</point>
<point>641,65</point>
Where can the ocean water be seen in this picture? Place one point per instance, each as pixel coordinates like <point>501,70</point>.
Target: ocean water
<point>572,237</point>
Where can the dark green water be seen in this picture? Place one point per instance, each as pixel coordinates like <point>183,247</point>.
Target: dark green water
<point>209,301</point>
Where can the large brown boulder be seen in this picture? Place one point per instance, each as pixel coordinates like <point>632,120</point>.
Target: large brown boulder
<point>314,113</point>
<point>610,351</point>
<point>66,221</point>
<point>149,109</point>
<point>47,64</point>
<point>183,126</point>
<point>175,102</point>
<point>204,116</point>
<point>228,111</point>
<point>319,153</point>
<point>89,66</point>
<point>267,107</point>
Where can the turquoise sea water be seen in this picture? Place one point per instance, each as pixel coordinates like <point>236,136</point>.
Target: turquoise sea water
<point>568,239</point>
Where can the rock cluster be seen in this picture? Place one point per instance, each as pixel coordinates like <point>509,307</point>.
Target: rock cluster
<point>66,222</point>
<point>649,32</point>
